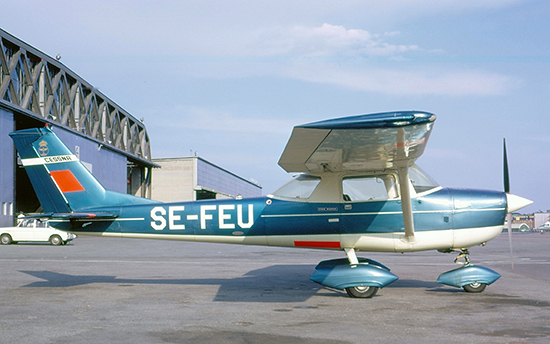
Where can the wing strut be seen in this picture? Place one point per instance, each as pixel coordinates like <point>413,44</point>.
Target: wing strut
<point>406,204</point>
<point>404,185</point>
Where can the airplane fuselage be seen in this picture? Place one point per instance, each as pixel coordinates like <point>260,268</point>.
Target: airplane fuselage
<point>358,188</point>
<point>444,219</point>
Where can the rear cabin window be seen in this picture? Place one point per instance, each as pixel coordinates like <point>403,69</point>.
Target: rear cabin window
<point>369,188</point>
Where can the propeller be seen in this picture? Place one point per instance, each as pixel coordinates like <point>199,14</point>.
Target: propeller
<point>513,202</point>
<point>507,191</point>
<point>506,172</point>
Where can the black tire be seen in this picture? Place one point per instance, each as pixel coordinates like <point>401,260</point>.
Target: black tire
<point>362,292</point>
<point>56,240</point>
<point>5,239</point>
<point>474,287</point>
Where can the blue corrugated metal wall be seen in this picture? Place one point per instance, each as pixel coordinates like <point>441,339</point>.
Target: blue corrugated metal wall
<point>108,167</point>
<point>6,169</point>
<point>215,178</point>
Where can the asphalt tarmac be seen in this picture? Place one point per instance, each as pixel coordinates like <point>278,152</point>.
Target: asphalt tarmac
<point>99,290</point>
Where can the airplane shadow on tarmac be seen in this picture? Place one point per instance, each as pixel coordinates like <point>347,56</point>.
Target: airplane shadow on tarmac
<point>277,283</point>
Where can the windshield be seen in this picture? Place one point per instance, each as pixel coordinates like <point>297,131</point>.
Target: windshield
<point>301,187</point>
<point>420,180</point>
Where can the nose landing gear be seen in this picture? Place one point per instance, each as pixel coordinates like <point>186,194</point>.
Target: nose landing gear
<point>471,278</point>
<point>464,253</point>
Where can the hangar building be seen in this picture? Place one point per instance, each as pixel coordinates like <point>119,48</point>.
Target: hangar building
<point>194,178</point>
<point>36,89</point>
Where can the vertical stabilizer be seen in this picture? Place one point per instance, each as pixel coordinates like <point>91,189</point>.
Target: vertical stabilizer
<point>60,180</point>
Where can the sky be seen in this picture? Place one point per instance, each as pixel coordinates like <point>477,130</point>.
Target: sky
<point>228,80</point>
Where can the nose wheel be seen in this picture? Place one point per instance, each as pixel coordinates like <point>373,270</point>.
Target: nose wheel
<point>475,287</point>
<point>471,278</point>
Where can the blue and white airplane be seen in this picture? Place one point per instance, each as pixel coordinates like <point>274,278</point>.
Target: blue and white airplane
<point>357,189</point>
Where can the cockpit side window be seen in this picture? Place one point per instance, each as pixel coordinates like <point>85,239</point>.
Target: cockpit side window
<point>300,187</point>
<point>369,188</point>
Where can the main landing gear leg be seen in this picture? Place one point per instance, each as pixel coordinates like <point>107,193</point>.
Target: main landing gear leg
<point>471,278</point>
<point>352,257</point>
<point>365,292</point>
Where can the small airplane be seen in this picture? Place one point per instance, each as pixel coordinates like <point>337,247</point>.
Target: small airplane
<point>357,189</point>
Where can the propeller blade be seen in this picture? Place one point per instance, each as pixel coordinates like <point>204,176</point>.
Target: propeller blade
<point>506,176</point>
<point>509,218</point>
<point>506,173</point>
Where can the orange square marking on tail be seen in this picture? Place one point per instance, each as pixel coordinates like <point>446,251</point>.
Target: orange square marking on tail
<point>66,181</point>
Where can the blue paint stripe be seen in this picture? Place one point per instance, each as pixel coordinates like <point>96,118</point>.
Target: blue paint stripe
<point>383,213</point>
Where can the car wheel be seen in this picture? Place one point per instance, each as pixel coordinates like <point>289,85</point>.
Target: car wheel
<point>5,239</point>
<point>56,240</point>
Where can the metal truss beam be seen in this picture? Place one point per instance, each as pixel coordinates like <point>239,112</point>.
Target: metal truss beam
<point>36,83</point>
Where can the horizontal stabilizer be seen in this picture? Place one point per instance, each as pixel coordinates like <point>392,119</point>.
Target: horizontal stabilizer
<point>88,216</point>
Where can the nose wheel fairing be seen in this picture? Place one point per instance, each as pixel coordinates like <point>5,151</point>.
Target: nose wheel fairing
<point>471,277</point>
<point>468,275</point>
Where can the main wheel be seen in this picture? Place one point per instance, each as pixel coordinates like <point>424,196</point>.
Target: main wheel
<point>362,292</point>
<point>474,287</point>
<point>5,239</point>
<point>56,240</point>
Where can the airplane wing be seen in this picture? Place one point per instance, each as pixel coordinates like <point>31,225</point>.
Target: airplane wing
<point>374,142</point>
<point>369,143</point>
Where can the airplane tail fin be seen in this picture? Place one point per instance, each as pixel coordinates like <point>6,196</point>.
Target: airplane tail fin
<point>61,182</point>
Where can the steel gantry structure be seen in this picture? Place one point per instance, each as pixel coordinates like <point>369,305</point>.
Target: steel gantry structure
<point>41,87</point>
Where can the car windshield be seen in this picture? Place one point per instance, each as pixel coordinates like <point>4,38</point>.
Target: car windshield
<point>31,223</point>
<point>25,223</point>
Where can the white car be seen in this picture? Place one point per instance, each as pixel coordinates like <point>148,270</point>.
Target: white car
<point>34,230</point>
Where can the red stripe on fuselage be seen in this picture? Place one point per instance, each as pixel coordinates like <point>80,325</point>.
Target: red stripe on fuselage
<point>317,244</point>
<point>66,181</point>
